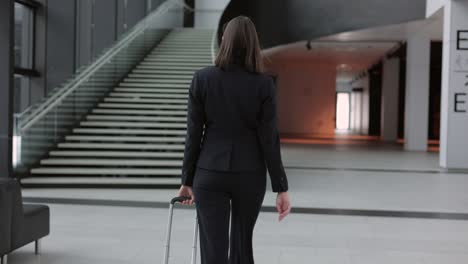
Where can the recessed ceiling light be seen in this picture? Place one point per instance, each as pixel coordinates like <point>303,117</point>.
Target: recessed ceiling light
<point>343,66</point>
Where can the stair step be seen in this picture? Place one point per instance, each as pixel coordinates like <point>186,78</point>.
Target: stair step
<point>125,139</point>
<point>164,81</point>
<point>186,49</point>
<point>145,100</point>
<point>137,118</point>
<point>142,106</point>
<point>156,67</point>
<point>111,162</point>
<point>170,59</point>
<point>168,53</point>
<point>119,154</point>
<point>131,124</point>
<point>196,42</point>
<point>139,112</point>
<point>152,90</point>
<point>116,131</point>
<point>121,146</point>
<point>160,76</point>
<point>205,40</point>
<point>139,128</point>
<point>169,72</point>
<point>182,32</point>
<point>178,64</point>
<point>180,54</point>
<point>148,95</point>
<point>175,38</point>
<point>154,85</point>
<point>100,181</point>
<point>104,171</point>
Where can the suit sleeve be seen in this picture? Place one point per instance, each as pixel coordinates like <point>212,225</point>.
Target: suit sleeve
<point>195,122</point>
<point>267,132</point>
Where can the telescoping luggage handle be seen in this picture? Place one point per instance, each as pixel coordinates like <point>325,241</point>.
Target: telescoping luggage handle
<point>174,200</point>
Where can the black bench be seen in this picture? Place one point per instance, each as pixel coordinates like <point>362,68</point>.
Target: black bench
<point>20,224</point>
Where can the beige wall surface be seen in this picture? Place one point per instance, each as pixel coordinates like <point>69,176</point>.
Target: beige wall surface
<point>305,95</point>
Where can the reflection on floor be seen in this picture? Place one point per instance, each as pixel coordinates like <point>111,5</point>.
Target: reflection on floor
<point>345,138</point>
<point>118,235</point>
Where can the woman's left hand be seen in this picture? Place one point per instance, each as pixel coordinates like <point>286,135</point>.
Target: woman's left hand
<point>186,191</point>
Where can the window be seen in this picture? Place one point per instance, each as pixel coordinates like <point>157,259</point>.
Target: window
<point>24,51</point>
<point>24,29</point>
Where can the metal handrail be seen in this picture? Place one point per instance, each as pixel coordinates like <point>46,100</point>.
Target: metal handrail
<point>55,99</point>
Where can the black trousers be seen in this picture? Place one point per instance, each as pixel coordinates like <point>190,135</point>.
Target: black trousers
<point>217,193</point>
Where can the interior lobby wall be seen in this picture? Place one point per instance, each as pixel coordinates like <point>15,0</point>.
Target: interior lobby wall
<point>305,96</point>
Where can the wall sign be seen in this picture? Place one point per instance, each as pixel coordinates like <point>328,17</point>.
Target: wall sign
<point>462,40</point>
<point>460,97</point>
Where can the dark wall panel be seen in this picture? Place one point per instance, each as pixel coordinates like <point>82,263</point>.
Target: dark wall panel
<point>70,33</point>
<point>402,95</point>
<point>189,16</point>
<point>136,10</point>
<point>155,3</point>
<point>104,17</point>
<point>435,87</point>
<point>129,13</point>
<point>83,32</point>
<point>375,99</point>
<point>6,87</point>
<point>60,41</point>
<point>38,84</point>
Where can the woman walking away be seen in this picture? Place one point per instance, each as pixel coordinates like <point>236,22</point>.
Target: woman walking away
<point>232,139</point>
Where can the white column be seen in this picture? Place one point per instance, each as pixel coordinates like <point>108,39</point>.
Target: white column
<point>208,12</point>
<point>356,106</point>
<point>365,101</point>
<point>417,93</point>
<point>390,86</point>
<point>454,104</point>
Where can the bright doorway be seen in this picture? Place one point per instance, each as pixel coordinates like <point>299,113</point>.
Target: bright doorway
<point>343,108</point>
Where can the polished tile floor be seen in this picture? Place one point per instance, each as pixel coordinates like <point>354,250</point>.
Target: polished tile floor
<point>100,234</point>
<point>322,176</point>
<point>336,176</point>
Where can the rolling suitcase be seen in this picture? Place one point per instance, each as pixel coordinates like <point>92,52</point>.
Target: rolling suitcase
<point>169,229</point>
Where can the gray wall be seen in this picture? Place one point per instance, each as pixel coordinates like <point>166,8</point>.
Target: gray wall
<point>60,41</point>
<point>129,12</point>
<point>208,12</point>
<point>83,49</point>
<point>38,85</point>
<point>70,33</point>
<point>281,22</point>
<point>101,22</point>
<point>6,86</point>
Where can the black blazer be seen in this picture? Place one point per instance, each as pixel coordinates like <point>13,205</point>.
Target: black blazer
<point>238,112</point>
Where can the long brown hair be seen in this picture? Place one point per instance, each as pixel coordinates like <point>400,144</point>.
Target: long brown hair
<point>240,46</point>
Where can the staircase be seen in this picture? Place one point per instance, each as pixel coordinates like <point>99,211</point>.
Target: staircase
<point>134,137</point>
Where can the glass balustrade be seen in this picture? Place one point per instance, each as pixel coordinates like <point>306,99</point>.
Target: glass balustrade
<point>40,127</point>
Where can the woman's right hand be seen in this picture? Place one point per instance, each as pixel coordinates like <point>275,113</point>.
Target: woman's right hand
<point>283,205</point>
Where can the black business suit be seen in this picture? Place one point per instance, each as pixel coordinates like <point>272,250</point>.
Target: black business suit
<point>231,134</point>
